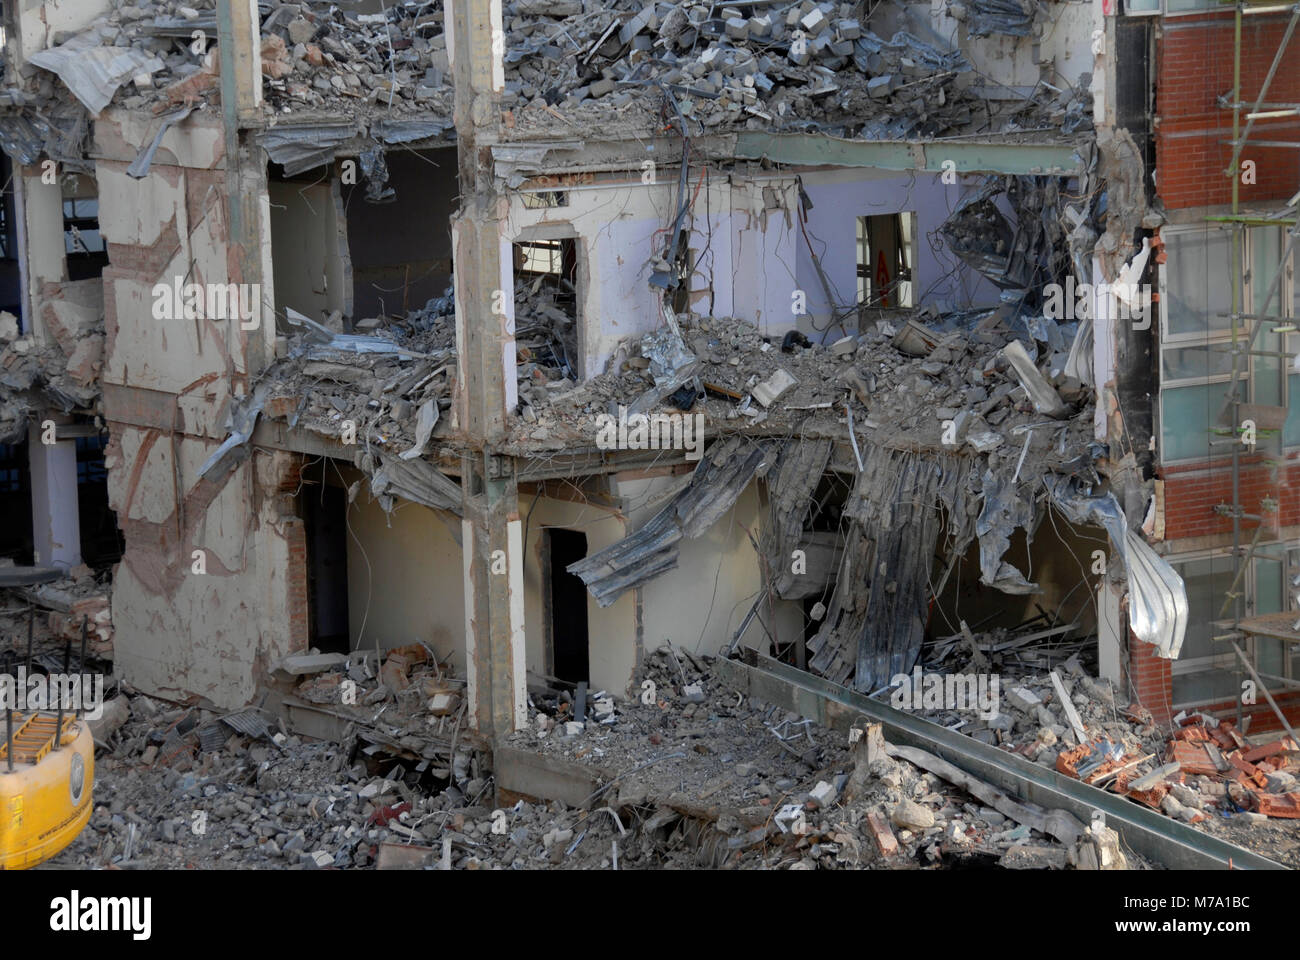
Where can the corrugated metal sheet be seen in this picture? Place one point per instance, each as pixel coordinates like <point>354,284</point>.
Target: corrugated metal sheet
<point>1157,596</point>
<point>299,148</point>
<point>718,481</point>
<point>94,72</point>
<point>416,480</point>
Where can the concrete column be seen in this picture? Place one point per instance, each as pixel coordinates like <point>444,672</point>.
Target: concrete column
<point>40,241</point>
<point>1112,628</point>
<point>56,524</point>
<point>491,542</point>
<point>248,258</point>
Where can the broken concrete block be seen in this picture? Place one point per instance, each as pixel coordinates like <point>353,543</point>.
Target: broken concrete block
<point>303,664</point>
<point>1041,393</point>
<point>444,704</point>
<point>601,88</point>
<point>911,815</point>
<point>69,321</point>
<point>8,326</point>
<point>848,29</point>
<point>1022,698</point>
<point>773,388</point>
<point>984,440</point>
<point>760,26</point>
<point>86,359</point>
<point>823,794</point>
<point>115,713</point>
<point>300,30</point>
<point>1281,782</point>
<point>738,28</point>
<point>1001,721</point>
<point>814,22</point>
<point>844,346</point>
<point>693,693</point>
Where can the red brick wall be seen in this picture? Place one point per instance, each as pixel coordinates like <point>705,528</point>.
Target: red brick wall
<point>1150,679</point>
<point>1192,491</point>
<point>295,532</point>
<point>296,577</point>
<point>1194,65</point>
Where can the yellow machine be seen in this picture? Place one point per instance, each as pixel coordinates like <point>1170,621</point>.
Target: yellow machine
<point>45,785</point>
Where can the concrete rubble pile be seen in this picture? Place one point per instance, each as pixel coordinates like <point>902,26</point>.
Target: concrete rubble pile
<point>63,372</point>
<point>764,385</point>
<point>1201,771</point>
<point>733,783</point>
<point>800,66</point>
<point>687,774</point>
<point>58,610</point>
<point>79,598</point>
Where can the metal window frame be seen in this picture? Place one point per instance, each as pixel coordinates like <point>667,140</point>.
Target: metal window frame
<point>1211,337</point>
<point>1218,661</point>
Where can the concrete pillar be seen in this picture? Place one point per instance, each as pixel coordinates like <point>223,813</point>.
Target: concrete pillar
<point>1112,628</point>
<point>40,241</point>
<point>56,524</point>
<point>492,542</point>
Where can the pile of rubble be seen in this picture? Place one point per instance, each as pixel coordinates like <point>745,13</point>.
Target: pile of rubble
<point>964,387</point>
<point>1203,772</point>
<point>63,372</point>
<point>743,784</point>
<point>688,774</point>
<point>59,609</point>
<point>81,599</point>
<point>804,66</point>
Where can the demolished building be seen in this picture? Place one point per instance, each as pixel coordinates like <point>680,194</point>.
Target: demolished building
<point>349,321</point>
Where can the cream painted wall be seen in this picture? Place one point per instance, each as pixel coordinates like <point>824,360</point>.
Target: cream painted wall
<point>742,238</point>
<point>404,579</point>
<point>178,632</point>
<point>611,632</point>
<point>701,603</point>
<point>309,248</point>
<point>412,588</point>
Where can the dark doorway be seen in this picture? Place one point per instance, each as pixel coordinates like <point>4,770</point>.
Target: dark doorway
<point>325,516</point>
<point>568,605</point>
<point>16,503</point>
<point>101,540</point>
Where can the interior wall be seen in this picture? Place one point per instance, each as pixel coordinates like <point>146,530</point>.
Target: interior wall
<point>310,247</point>
<point>839,197</point>
<point>748,251</point>
<point>401,251</point>
<point>700,604</point>
<point>611,631</point>
<point>738,231</point>
<point>404,579</point>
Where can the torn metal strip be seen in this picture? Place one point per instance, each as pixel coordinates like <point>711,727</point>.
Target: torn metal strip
<point>718,481</point>
<point>1157,602</point>
<point>299,148</point>
<point>94,72</point>
<point>417,481</point>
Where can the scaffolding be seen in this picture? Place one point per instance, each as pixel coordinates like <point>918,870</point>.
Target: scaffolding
<point>1258,428</point>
